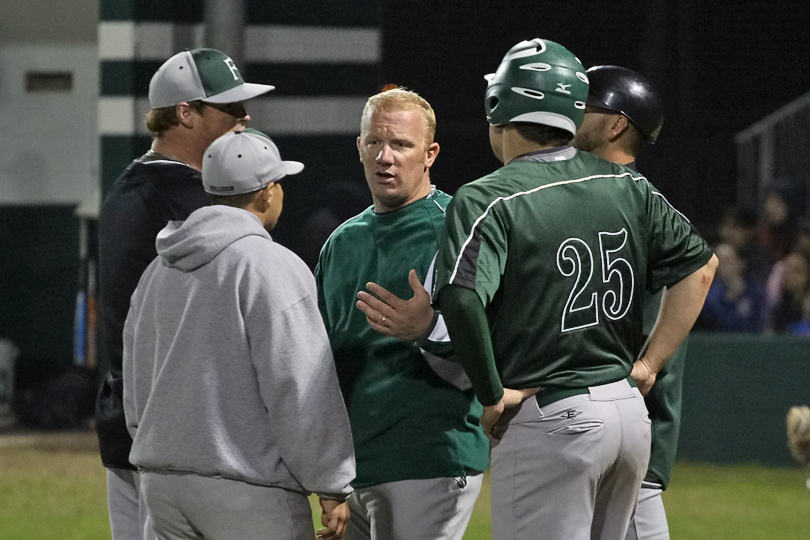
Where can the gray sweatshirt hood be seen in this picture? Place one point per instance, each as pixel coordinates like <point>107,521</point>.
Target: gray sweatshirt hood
<point>190,244</point>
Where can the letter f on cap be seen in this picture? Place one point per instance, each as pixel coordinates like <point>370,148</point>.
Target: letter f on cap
<point>232,67</point>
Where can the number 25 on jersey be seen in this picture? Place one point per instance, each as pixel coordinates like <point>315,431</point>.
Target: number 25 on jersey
<point>575,260</point>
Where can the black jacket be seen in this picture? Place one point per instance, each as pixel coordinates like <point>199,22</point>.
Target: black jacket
<point>152,191</point>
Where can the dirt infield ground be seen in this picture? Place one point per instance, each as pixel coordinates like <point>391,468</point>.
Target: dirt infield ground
<point>68,441</point>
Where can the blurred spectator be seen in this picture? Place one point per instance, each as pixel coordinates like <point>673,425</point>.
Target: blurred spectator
<point>795,286</point>
<point>802,240</point>
<point>802,327</point>
<point>776,278</point>
<point>783,206</point>
<point>736,301</point>
<point>738,227</point>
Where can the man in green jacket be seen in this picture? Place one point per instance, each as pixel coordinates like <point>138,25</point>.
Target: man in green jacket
<point>419,447</point>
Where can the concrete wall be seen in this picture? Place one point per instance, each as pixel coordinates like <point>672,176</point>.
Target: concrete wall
<point>49,138</point>
<point>56,21</point>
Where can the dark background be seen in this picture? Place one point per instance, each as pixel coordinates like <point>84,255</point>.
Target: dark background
<point>719,66</point>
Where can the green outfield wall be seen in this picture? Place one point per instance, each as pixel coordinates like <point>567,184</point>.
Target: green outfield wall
<point>737,391</point>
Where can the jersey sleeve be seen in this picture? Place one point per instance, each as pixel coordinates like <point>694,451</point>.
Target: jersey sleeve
<point>440,355</point>
<point>473,245</point>
<point>676,249</point>
<point>436,340</point>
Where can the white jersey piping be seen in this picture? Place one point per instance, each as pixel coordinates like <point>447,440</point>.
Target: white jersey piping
<point>539,188</point>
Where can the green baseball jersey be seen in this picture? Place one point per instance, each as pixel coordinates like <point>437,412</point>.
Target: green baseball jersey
<point>664,405</point>
<point>407,422</point>
<point>664,400</point>
<point>559,245</point>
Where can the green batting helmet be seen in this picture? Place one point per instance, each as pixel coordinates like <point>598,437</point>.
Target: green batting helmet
<point>540,82</point>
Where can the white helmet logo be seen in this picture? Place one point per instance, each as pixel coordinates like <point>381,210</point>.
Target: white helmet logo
<point>532,47</point>
<point>528,92</point>
<point>563,88</point>
<point>536,66</point>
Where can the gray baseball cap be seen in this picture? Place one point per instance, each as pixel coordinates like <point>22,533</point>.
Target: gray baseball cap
<point>243,161</point>
<point>200,74</point>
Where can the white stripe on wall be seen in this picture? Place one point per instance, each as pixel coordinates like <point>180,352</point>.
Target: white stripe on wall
<point>120,40</point>
<point>116,115</point>
<point>154,41</point>
<point>157,41</point>
<point>307,44</point>
<point>307,116</point>
<point>116,40</point>
<point>273,115</point>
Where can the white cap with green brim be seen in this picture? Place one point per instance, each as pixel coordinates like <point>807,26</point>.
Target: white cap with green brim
<point>200,74</point>
<point>243,161</point>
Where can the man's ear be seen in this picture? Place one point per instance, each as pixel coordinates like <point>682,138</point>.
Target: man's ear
<point>185,114</point>
<point>617,126</point>
<point>267,194</point>
<point>261,202</point>
<point>432,152</point>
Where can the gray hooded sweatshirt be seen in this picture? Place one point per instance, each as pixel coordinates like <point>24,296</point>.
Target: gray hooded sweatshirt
<point>227,366</point>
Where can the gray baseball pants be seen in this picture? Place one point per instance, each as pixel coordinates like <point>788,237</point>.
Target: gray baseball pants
<point>650,519</point>
<point>571,470</point>
<point>432,509</point>
<point>188,506</point>
<point>128,517</point>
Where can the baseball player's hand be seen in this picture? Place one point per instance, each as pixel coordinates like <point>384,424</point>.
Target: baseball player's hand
<point>335,518</point>
<point>643,375</point>
<point>391,315</point>
<point>490,417</point>
<point>496,418</point>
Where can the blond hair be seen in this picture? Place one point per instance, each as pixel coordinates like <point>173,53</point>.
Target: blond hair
<point>400,99</point>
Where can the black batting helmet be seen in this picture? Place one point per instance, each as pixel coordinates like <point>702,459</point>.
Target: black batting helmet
<point>626,92</point>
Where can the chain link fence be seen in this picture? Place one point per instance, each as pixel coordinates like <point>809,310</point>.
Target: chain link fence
<point>774,155</point>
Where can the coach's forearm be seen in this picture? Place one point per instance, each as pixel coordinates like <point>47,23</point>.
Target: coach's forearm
<point>680,308</point>
<point>469,333</point>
